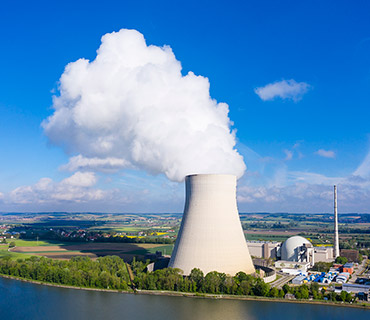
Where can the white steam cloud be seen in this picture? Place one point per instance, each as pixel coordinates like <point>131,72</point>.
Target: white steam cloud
<point>131,107</point>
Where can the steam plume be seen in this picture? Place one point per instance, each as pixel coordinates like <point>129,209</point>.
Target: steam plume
<point>131,106</point>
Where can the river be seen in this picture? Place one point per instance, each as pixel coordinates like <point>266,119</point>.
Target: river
<point>22,300</point>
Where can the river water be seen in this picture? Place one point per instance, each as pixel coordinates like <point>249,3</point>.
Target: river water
<point>22,300</point>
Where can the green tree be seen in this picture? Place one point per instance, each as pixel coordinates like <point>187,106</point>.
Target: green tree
<point>197,277</point>
<point>286,288</point>
<point>274,292</point>
<point>314,290</point>
<point>281,293</point>
<point>341,260</point>
<point>212,282</point>
<point>261,288</point>
<point>304,292</point>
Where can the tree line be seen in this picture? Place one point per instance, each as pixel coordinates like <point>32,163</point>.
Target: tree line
<point>111,272</point>
<point>56,236</point>
<point>108,272</point>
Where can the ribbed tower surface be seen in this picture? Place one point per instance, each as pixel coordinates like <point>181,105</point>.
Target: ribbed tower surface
<point>211,237</point>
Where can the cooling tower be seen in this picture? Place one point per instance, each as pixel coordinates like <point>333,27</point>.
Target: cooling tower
<point>211,237</point>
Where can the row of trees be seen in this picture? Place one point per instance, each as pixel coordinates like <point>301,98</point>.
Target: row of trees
<point>106,272</point>
<point>214,282</point>
<point>317,293</point>
<point>97,235</point>
<point>220,283</point>
<point>111,272</point>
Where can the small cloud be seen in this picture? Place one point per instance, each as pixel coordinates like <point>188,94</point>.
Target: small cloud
<point>76,188</point>
<point>80,179</point>
<point>285,89</point>
<point>95,164</point>
<point>325,153</point>
<point>288,155</point>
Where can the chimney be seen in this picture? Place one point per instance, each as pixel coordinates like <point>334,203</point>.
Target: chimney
<point>336,235</point>
<point>211,237</point>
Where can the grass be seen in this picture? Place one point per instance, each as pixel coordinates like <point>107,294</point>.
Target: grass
<point>13,255</point>
<point>167,249</point>
<point>265,237</point>
<point>32,243</point>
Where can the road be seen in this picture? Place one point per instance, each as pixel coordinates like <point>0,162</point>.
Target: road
<point>358,271</point>
<point>279,283</point>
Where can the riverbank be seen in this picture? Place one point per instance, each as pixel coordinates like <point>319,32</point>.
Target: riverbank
<point>198,295</point>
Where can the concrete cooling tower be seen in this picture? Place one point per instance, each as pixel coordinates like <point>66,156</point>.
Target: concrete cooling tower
<point>211,237</point>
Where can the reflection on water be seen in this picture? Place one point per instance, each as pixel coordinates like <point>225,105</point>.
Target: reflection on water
<point>20,300</point>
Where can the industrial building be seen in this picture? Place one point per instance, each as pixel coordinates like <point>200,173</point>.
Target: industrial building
<point>295,248</point>
<point>298,249</point>
<point>342,277</point>
<point>348,267</point>
<point>355,287</point>
<point>292,267</point>
<point>323,277</point>
<point>350,254</point>
<point>211,237</point>
<point>264,249</point>
<point>324,254</point>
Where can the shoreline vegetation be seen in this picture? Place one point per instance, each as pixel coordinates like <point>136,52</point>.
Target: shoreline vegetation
<point>113,274</point>
<point>194,295</point>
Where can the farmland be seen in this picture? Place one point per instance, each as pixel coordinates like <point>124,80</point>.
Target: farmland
<point>66,235</point>
<point>93,250</point>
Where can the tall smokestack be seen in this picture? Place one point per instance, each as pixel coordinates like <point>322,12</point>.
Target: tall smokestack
<point>336,235</point>
<point>211,237</point>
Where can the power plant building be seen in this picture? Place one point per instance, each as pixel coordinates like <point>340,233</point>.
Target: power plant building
<point>211,237</point>
<point>324,254</point>
<point>264,249</point>
<point>297,249</point>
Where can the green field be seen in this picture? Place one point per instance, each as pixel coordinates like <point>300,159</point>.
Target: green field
<point>25,249</point>
<point>120,229</point>
<point>167,250</point>
<point>32,243</point>
<point>14,255</point>
<point>265,237</point>
<point>24,243</point>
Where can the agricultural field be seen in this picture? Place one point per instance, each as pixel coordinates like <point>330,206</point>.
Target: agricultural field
<point>64,235</point>
<point>354,229</point>
<point>4,252</point>
<point>127,251</point>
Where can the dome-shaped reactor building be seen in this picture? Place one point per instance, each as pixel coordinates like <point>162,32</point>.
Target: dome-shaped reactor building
<point>295,248</point>
<point>211,237</point>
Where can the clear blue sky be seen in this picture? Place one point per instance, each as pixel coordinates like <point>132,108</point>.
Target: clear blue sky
<point>311,132</point>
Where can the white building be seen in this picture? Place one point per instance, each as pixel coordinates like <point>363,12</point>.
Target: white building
<point>325,254</point>
<point>263,249</point>
<point>293,249</point>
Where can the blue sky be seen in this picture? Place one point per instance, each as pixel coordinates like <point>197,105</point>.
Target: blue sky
<point>295,75</point>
